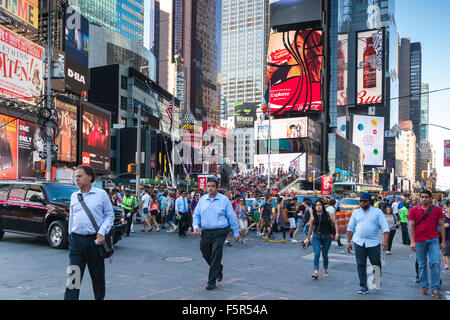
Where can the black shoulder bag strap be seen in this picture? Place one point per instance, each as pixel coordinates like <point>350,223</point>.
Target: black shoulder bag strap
<point>107,248</point>
<point>425,216</point>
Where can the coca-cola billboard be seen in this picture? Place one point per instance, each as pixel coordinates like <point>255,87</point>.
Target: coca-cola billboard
<point>294,69</point>
<point>370,67</point>
<point>446,153</point>
<point>21,67</point>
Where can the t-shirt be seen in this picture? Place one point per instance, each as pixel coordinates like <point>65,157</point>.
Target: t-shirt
<point>266,209</point>
<point>172,204</point>
<point>447,230</point>
<point>301,211</point>
<point>331,211</point>
<point>291,210</point>
<point>395,207</point>
<point>146,201</point>
<point>428,228</point>
<point>164,201</point>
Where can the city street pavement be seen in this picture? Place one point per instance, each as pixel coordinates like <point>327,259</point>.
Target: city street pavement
<point>159,265</point>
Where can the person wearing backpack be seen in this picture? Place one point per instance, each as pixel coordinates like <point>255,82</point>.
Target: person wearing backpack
<point>424,221</point>
<point>322,226</point>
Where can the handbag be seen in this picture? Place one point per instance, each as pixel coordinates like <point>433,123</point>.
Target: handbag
<point>106,250</point>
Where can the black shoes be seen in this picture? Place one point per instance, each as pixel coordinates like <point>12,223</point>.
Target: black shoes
<point>211,286</point>
<point>220,277</point>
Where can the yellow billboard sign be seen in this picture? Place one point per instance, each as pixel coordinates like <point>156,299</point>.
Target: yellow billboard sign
<point>25,12</point>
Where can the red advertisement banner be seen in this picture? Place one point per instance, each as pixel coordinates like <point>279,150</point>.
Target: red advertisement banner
<point>327,184</point>
<point>446,153</point>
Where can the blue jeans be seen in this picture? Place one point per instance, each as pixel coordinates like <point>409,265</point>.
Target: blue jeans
<point>305,230</point>
<point>321,242</point>
<point>299,223</point>
<point>361,254</point>
<point>430,248</point>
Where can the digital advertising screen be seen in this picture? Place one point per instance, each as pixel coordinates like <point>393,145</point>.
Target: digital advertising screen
<point>341,126</point>
<point>245,114</point>
<point>294,161</point>
<point>67,124</point>
<point>370,66</point>
<point>282,128</point>
<point>368,134</point>
<point>8,148</point>
<point>29,144</point>
<point>285,12</point>
<point>76,36</point>
<point>294,67</point>
<point>342,71</point>
<point>96,137</point>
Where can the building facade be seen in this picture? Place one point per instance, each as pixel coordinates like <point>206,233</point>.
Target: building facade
<point>123,16</point>
<point>424,111</point>
<point>243,51</point>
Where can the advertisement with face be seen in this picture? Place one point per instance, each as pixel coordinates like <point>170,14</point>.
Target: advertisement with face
<point>29,145</point>
<point>282,128</point>
<point>368,134</point>
<point>294,67</point>
<point>342,72</point>
<point>21,67</point>
<point>8,148</point>
<point>96,138</point>
<point>296,162</point>
<point>284,12</point>
<point>76,36</point>
<point>370,66</point>
<point>67,123</point>
<point>341,126</point>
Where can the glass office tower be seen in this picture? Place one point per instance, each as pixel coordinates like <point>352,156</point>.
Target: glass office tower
<point>123,16</point>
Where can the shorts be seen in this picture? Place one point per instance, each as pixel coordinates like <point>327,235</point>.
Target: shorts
<point>256,216</point>
<point>144,213</point>
<point>266,220</point>
<point>292,223</point>
<point>447,248</point>
<point>154,212</point>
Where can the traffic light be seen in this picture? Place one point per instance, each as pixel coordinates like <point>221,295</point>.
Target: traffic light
<point>39,166</point>
<point>423,175</point>
<point>132,168</point>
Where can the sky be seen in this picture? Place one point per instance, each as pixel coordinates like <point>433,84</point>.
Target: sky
<point>428,22</point>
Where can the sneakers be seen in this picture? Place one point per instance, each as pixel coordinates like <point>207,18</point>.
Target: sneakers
<point>363,290</point>
<point>294,241</point>
<point>228,243</point>
<point>446,267</point>
<point>388,252</point>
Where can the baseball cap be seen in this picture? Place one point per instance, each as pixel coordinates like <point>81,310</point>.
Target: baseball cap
<point>365,196</point>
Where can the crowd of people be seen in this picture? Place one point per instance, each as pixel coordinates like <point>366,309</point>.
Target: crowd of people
<point>172,210</point>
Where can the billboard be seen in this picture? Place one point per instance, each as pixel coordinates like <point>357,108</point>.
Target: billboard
<point>341,123</point>
<point>67,124</point>
<point>29,144</point>
<point>245,114</point>
<point>294,161</point>
<point>294,68</point>
<point>76,37</point>
<point>21,67</point>
<point>327,184</point>
<point>446,153</point>
<point>77,78</point>
<point>370,67</point>
<point>282,128</point>
<point>8,148</point>
<point>96,137</point>
<point>58,70</point>
<point>285,12</point>
<point>368,134</point>
<point>342,71</point>
<point>25,12</point>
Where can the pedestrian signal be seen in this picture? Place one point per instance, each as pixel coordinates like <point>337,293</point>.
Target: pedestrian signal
<point>132,168</point>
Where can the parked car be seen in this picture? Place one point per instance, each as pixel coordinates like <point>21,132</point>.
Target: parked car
<point>42,209</point>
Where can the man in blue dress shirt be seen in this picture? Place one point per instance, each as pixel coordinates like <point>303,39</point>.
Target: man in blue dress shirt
<point>215,214</point>
<point>82,234</point>
<point>182,210</point>
<point>364,227</point>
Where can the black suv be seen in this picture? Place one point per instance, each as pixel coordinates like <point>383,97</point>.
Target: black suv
<point>42,209</point>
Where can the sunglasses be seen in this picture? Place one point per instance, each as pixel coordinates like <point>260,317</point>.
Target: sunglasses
<point>364,200</point>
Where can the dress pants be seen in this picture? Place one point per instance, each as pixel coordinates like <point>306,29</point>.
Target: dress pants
<point>184,223</point>
<point>405,234</point>
<point>129,221</point>
<point>211,246</point>
<point>82,251</point>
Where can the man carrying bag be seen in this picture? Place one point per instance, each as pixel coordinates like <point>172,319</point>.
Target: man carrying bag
<point>91,218</point>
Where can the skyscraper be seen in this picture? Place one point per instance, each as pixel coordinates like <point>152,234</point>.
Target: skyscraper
<point>416,82</point>
<point>243,51</point>
<point>149,24</point>
<point>424,110</point>
<point>122,16</point>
